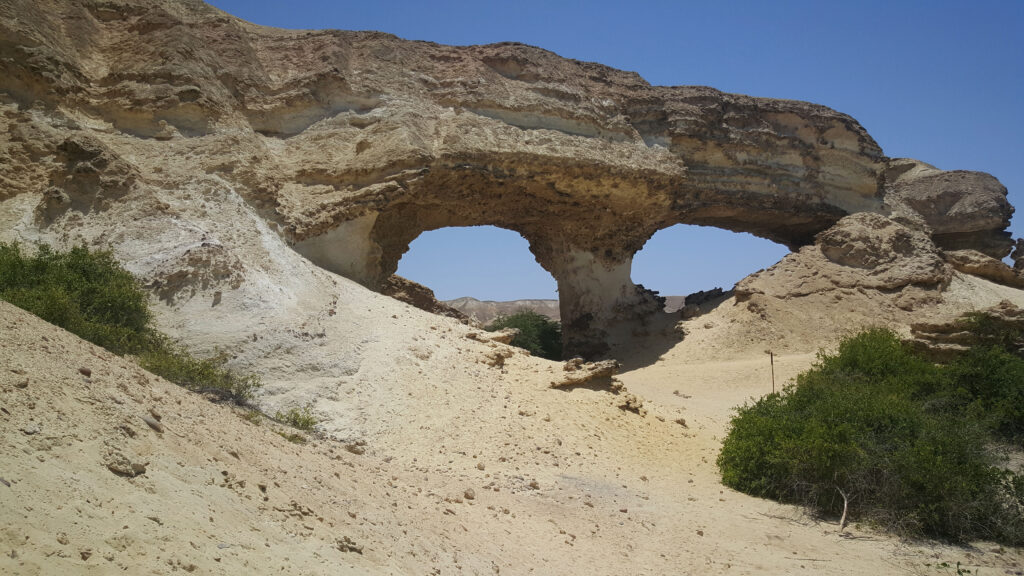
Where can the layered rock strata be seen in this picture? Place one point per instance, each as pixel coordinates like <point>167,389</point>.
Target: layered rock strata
<point>863,251</point>
<point>351,144</point>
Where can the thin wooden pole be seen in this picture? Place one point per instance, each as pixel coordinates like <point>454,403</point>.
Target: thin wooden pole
<point>846,503</point>
<point>771,355</point>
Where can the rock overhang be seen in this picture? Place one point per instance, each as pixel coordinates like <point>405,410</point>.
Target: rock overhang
<point>354,143</point>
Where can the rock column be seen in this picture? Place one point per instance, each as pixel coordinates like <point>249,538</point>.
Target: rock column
<point>597,299</point>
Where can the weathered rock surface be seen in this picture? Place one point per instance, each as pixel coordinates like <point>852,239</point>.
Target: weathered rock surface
<point>964,210</point>
<point>978,264</point>
<point>503,336</point>
<point>576,372</point>
<point>419,296</point>
<point>943,341</point>
<point>864,251</point>
<point>348,145</point>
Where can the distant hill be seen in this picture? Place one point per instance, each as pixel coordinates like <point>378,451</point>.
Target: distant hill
<point>484,311</point>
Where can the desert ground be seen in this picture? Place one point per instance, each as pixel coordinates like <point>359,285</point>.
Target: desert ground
<point>262,184</point>
<point>485,473</point>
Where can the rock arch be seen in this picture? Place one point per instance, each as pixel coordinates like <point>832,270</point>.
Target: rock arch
<point>587,199</point>
<point>584,220</point>
<point>353,143</point>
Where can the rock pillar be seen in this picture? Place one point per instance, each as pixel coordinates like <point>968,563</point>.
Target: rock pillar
<point>597,299</point>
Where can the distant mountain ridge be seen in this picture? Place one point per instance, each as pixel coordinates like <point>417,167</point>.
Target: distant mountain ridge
<point>485,311</point>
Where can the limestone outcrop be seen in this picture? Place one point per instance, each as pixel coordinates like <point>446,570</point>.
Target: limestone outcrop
<point>419,296</point>
<point>351,144</point>
<point>964,210</point>
<point>943,341</point>
<point>978,264</point>
<point>863,251</point>
<point>580,373</point>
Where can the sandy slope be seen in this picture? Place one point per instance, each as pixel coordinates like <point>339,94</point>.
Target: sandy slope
<point>564,481</point>
<point>614,492</point>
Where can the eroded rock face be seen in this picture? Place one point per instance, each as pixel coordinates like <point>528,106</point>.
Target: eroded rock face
<point>351,144</point>
<point>978,264</point>
<point>965,210</point>
<point>419,296</point>
<point>944,341</point>
<point>863,251</point>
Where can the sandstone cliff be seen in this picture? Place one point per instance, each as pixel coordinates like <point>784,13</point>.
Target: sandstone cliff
<point>235,167</point>
<point>131,123</point>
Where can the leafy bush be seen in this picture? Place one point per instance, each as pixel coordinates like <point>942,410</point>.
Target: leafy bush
<point>988,381</point>
<point>173,362</point>
<point>86,293</point>
<point>539,334</point>
<point>890,431</point>
<point>302,419</point>
<point>995,331</point>
<point>90,295</point>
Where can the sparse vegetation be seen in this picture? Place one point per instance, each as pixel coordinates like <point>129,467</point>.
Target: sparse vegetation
<point>89,294</point>
<point>299,418</point>
<point>253,417</point>
<point>293,437</point>
<point>539,334</point>
<point>903,443</point>
<point>207,375</point>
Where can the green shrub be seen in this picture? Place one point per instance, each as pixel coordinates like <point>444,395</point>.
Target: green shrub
<point>995,331</point>
<point>539,334</point>
<point>174,363</point>
<point>878,424</point>
<point>86,293</point>
<point>300,418</point>
<point>90,295</point>
<point>988,384</point>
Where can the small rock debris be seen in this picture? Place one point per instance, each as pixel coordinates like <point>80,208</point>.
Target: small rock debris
<point>153,423</point>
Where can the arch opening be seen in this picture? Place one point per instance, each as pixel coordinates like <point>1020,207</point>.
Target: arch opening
<point>686,259</point>
<point>481,271</point>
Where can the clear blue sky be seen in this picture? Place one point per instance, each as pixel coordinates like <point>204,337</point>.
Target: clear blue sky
<point>940,81</point>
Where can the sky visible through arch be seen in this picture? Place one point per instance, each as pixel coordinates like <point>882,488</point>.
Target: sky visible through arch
<point>941,81</point>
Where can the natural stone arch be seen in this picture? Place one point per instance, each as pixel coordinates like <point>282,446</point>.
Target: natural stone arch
<point>352,143</point>
<point>583,225</point>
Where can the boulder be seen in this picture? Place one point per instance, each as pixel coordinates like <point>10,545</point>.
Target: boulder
<point>862,251</point>
<point>963,209</point>
<point>419,296</point>
<point>978,264</point>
